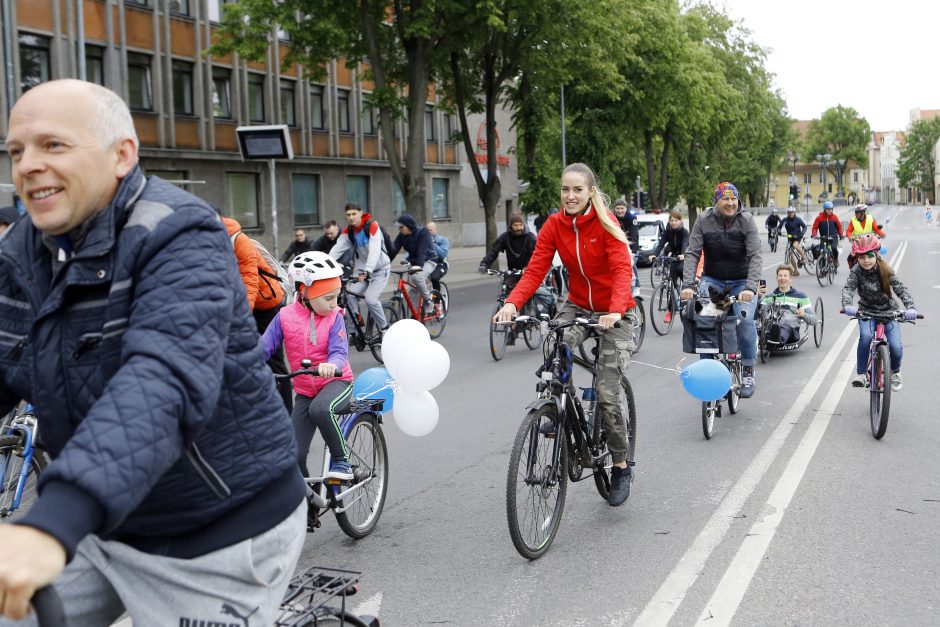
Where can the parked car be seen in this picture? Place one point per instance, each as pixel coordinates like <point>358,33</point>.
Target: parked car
<point>651,227</point>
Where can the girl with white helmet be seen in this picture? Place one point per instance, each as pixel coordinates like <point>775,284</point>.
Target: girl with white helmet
<point>312,327</point>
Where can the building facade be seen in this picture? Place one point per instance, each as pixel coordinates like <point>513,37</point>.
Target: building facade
<point>186,106</point>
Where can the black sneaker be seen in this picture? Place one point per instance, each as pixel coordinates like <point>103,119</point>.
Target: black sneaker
<point>620,480</point>
<point>747,382</point>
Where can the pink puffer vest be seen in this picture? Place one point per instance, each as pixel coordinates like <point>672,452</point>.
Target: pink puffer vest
<point>298,345</point>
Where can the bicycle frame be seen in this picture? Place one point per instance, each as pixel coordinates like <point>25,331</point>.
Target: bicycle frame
<point>27,426</point>
<point>402,292</point>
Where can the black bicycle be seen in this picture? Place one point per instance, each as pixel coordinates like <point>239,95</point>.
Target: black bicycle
<point>772,238</point>
<point>664,305</point>
<point>826,262</point>
<point>364,333</point>
<point>500,333</point>
<point>573,446</point>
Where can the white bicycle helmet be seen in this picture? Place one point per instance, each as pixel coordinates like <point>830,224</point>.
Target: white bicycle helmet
<point>313,266</point>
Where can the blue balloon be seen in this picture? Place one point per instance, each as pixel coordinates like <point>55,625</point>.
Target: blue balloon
<point>706,379</point>
<point>375,383</point>
<point>883,251</point>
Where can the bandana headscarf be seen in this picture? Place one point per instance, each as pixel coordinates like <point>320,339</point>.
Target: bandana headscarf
<point>725,190</point>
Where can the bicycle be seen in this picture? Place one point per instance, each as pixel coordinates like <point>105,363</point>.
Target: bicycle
<point>357,504</point>
<point>790,256</point>
<point>360,332</point>
<point>826,262</point>
<point>22,461</point>
<point>407,308</point>
<point>657,268</point>
<point>772,238</point>
<point>635,316</point>
<point>768,315</point>
<point>540,465</point>
<point>879,369</point>
<point>664,305</point>
<point>499,333</point>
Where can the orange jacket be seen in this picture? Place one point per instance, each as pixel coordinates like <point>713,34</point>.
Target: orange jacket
<point>263,293</point>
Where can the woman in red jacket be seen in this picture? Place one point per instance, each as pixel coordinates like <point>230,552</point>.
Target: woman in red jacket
<point>592,246</point>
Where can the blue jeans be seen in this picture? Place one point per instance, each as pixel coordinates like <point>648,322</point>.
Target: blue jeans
<point>746,329</point>
<point>866,330</point>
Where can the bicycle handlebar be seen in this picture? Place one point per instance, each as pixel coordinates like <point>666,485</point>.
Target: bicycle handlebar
<point>503,273</point>
<point>894,316</point>
<point>311,370</point>
<point>555,325</point>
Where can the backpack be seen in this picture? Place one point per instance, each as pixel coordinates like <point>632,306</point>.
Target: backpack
<point>272,271</point>
<point>386,240</point>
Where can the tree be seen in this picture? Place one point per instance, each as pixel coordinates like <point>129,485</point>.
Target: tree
<point>398,42</point>
<point>844,135</point>
<point>917,166</point>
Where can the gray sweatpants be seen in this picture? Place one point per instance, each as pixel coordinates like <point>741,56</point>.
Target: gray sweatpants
<point>242,584</point>
<point>420,279</point>
<point>371,292</point>
<point>615,350</point>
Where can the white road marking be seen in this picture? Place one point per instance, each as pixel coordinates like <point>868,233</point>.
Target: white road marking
<point>370,606</point>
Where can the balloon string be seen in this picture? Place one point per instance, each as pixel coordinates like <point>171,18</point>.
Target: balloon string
<point>676,369</point>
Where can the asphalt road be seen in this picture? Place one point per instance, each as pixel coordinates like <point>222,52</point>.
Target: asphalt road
<point>791,514</point>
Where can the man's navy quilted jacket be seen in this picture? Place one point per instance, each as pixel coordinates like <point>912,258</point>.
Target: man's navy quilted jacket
<point>147,375</point>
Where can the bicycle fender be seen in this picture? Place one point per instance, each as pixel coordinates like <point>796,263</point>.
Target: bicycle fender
<point>541,402</point>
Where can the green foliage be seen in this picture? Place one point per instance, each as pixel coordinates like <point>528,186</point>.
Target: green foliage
<point>917,165</point>
<point>840,132</point>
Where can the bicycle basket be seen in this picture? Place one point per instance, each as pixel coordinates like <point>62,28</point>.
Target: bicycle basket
<point>709,335</point>
<point>816,249</point>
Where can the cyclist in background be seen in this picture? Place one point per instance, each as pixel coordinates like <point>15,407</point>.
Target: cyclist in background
<point>300,245</point>
<point>828,225</point>
<point>442,247</point>
<point>772,224</point>
<point>795,304</point>
<point>627,217</point>
<point>421,255</point>
<point>874,280</point>
<point>861,224</point>
<point>371,262</point>
<point>312,327</point>
<point>796,230</point>
<point>727,237</point>
<point>673,241</point>
<point>590,242</point>
<point>517,242</point>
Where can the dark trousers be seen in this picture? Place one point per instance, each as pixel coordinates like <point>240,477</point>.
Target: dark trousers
<point>436,276</point>
<point>277,363</point>
<point>319,414</point>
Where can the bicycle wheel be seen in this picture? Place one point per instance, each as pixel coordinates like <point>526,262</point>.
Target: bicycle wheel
<point>531,332</point>
<point>499,333</point>
<point>368,455</point>
<point>661,308</point>
<point>880,405</point>
<point>762,348</point>
<point>788,257</point>
<point>587,354</point>
<point>11,465</point>
<point>710,411</point>
<point>352,332</point>
<point>831,269</point>
<point>445,294</point>
<point>374,335</point>
<point>656,272</point>
<point>535,489</point>
<point>808,262</point>
<point>628,412</point>
<point>822,271</point>
<point>820,323</point>
<point>639,323</point>
<point>734,394</point>
<point>435,321</point>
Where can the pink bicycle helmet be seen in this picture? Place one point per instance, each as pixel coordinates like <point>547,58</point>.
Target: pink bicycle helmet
<point>866,244</point>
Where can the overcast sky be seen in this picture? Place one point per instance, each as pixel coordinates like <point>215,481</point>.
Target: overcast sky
<point>880,58</point>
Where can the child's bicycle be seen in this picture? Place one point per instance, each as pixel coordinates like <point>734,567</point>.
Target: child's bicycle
<point>358,503</point>
<point>21,463</point>
<point>879,370</point>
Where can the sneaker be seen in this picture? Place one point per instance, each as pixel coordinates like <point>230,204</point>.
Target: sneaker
<point>747,382</point>
<point>340,469</point>
<point>896,383</point>
<point>620,480</point>
<point>428,309</point>
<point>668,317</point>
<point>860,380</point>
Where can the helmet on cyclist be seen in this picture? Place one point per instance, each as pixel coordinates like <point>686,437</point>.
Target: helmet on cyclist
<point>774,210</point>
<point>862,208</point>
<point>865,244</point>
<point>310,267</point>
<point>791,209</point>
<point>827,204</point>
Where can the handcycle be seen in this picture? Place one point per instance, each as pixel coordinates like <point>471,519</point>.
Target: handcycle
<point>826,262</point>
<point>401,300</point>
<point>364,333</point>
<point>879,369</point>
<point>664,305</point>
<point>357,504</point>
<point>769,315</point>
<point>541,464</point>
<point>22,461</point>
<point>499,333</point>
<point>790,256</point>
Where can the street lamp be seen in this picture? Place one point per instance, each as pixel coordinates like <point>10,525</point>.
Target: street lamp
<point>823,160</point>
<point>793,158</point>
<point>841,163</point>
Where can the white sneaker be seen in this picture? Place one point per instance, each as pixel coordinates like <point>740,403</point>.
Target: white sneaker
<point>896,383</point>
<point>860,380</point>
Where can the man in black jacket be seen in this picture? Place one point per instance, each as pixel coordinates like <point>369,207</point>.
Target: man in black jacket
<point>416,240</point>
<point>517,243</point>
<point>327,241</point>
<point>299,245</point>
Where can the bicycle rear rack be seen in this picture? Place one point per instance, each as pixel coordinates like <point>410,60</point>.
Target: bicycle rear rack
<point>309,593</point>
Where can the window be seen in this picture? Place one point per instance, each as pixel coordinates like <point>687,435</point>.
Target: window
<point>256,98</point>
<point>368,117</point>
<point>306,205</point>
<point>429,124</point>
<point>138,82</point>
<point>855,177</point>
<point>357,191</point>
<point>215,10</point>
<point>440,208</point>
<point>448,129</point>
<point>34,61</point>
<point>183,87</point>
<point>287,103</point>
<point>398,199</point>
<point>180,7</point>
<point>242,198</point>
<point>316,107</point>
<point>342,110</point>
<point>222,93</point>
<point>807,178</point>
<point>94,64</point>
<point>140,3</point>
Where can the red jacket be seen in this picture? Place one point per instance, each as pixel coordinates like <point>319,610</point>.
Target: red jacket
<point>599,265</point>
<point>822,217</point>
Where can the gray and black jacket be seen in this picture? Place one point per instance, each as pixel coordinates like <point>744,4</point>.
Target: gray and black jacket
<point>731,247</point>
<point>870,296</point>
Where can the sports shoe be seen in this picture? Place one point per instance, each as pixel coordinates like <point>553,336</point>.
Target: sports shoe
<point>668,317</point>
<point>747,382</point>
<point>340,469</point>
<point>428,308</point>
<point>860,380</point>
<point>896,383</point>
<point>620,480</point>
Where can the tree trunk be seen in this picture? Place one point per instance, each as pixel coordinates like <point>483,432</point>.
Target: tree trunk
<point>664,169</point>
<point>650,167</point>
<point>413,183</point>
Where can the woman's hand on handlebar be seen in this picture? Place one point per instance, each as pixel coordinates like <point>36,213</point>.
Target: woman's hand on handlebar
<point>506,313</point>
<point>687,294</point>
<point>326,369</point>
<point>608,321</point>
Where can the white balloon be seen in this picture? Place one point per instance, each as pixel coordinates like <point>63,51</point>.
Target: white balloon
<point>399,340</point>
<point>415,414</point>
<point>425,368</point>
